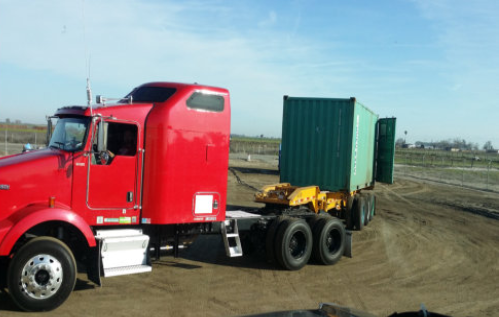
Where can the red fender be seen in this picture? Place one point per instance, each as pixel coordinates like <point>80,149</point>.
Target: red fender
<point>12,228</point>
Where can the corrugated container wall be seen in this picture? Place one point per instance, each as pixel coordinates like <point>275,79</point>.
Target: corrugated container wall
<point>328,142</point>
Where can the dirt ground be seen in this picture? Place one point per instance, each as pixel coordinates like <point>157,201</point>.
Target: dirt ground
<point>428,243</point>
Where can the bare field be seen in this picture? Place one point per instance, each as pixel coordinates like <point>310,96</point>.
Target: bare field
<point>428,243</point>
<point>473,178</point>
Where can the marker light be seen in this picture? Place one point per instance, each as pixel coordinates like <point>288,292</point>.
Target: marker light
<point>51,202</point>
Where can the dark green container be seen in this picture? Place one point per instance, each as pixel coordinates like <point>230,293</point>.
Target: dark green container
<point>330,143</point>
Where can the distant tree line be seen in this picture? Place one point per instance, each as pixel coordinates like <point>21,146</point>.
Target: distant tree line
<point>260,136</point>
<point>8,121</point>
<point>456,143</point>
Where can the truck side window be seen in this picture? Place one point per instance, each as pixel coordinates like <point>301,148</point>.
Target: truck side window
<point>122,139</point>
<point>150,94</point>
<point>207,102</point>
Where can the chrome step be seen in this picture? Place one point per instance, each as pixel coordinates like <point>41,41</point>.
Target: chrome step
<point>123,251</point>
<point>232,241</point>
<point>126,270</point>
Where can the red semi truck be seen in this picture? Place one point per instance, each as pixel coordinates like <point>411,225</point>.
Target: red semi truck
<point>118,183</point>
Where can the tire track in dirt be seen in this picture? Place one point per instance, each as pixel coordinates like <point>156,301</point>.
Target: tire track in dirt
<point>418,249</point>
<point>436,246</point>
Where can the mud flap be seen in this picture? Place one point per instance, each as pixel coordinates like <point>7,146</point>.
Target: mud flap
<point>4,265</point>
<point>94,265</point>
<point>348,244</point>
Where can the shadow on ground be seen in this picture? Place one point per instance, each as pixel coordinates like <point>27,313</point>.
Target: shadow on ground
<point>210,249</point>
<point>7,304</point>
<point>253,170</point>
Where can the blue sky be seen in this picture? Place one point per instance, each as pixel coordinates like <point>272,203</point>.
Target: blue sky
<point>433,64</point>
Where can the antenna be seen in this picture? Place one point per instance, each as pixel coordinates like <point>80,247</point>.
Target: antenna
<point>87,59</point>
<point>89,90</point>
<point>89,96</point>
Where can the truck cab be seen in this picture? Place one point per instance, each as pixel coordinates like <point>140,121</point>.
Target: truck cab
<point>154,162</point>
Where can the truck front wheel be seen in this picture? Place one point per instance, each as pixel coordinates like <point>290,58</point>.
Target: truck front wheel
<point>41,275</point>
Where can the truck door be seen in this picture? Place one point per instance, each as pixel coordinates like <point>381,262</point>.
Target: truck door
<point>385,150</point>
<point>112,182</point>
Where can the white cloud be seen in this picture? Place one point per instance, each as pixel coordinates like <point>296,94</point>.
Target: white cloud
<point>130,42</point>
<point>259,53</point>
<point>270,20</point>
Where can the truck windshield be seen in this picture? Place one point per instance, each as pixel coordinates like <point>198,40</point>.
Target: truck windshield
<point>69,134</point>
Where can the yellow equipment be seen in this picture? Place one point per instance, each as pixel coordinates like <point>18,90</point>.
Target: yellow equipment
<point>311,196</point>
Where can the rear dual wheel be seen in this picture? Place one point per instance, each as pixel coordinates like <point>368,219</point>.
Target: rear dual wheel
<point>370,200</point>
<point>289,242</point>
<point>293,244</point>
<point>359,212</point>
<point>367,198</point>
<point>270,238</point>
<point>349,216</point>
<point>329,241</point>
<point>373,205</point>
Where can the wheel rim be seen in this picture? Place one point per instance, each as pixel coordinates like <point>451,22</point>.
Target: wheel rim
<point>41,277</point>
<point>297,245</point>
<point>333,241</point>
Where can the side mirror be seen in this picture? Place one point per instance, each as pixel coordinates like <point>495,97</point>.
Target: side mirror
<point>102,137</point>
<point>104,158</point>
<point>49,130</point>
<point>27,147</point>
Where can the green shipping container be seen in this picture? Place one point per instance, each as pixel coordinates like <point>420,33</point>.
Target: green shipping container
<point>332,143</point>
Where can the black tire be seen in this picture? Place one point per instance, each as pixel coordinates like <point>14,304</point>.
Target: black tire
<point>293,244</point>
<point>270,239</point>
<point>359,212</point>
<point>42,274</point>
<point>372,206</point>
<point>313,221</point>
<point>329,241</point>
<point>349,217</point>
<point>368,202</point>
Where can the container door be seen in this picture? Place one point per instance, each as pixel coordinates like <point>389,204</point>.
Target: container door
<point>386,150</point>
